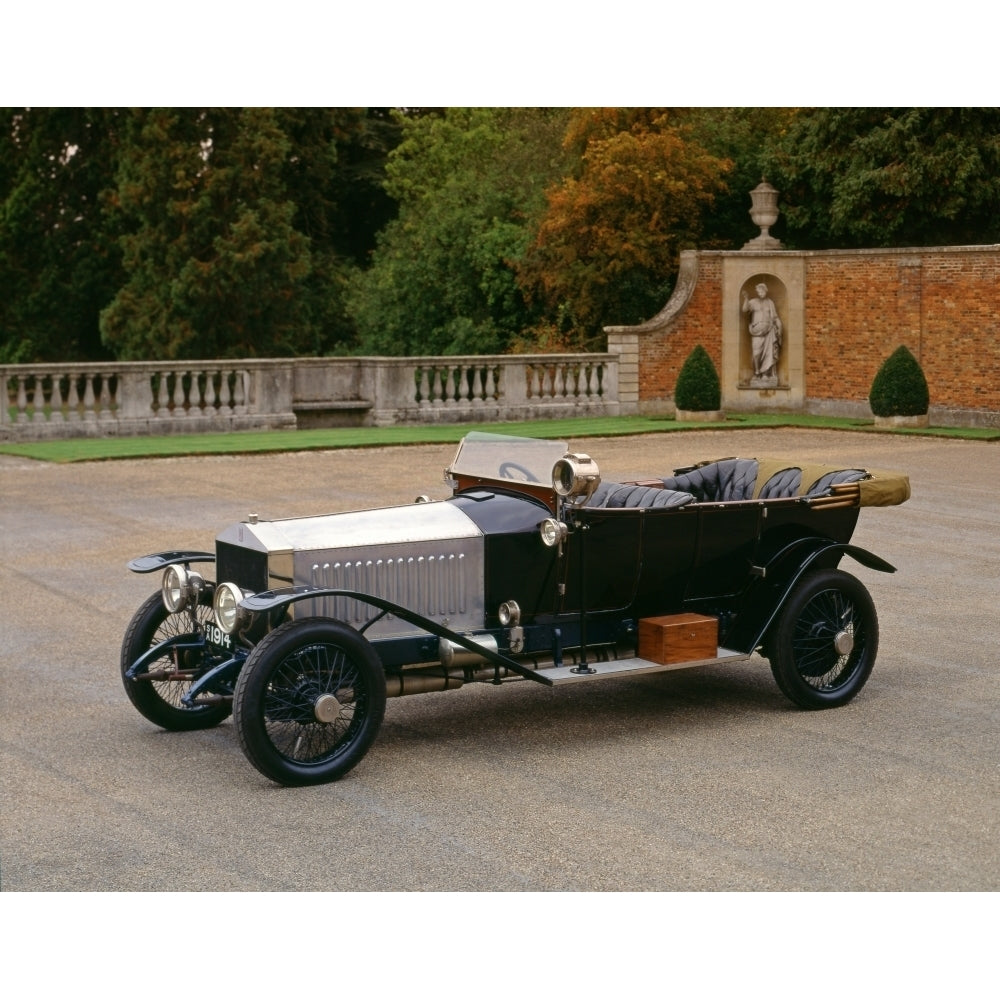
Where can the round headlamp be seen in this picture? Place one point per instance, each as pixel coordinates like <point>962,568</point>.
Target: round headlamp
<point>226,605</point>
<point>180,587</point>
<point>575,476</point>
<point>552,531</point>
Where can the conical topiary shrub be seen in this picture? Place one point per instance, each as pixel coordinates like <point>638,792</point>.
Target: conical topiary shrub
<point>698,388</point>
<point>899,388</point>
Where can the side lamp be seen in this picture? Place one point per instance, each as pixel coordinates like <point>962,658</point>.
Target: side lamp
<point>575,477</point>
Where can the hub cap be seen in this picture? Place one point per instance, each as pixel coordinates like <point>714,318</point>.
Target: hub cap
<point>326,708</point>
<point>843,643</point>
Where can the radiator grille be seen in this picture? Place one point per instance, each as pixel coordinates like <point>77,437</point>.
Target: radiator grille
<point>241,566</point>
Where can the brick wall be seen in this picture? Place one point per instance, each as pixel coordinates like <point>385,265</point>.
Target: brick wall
<point>943,303</point>
<point>661,357</point>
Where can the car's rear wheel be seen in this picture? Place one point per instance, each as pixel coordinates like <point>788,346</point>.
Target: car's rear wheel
<point>159,700</point>
<point>309,702</point>
<point>822,647</point>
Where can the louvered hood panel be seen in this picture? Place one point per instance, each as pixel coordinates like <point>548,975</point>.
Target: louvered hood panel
<point>426,557</point>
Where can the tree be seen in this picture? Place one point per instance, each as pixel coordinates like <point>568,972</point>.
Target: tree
<point>743,136</point>
<point>443,279</point>
<point>59,258</point>
<point>607,248</point>
<point>879,177</point>
<point>899,388</point>
<point>698,386</point>
<point>334,174</point>
<point>215,266</point>
<point>193,230</point>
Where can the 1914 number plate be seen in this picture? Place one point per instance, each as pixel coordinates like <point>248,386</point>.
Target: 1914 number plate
<point>217,637</point>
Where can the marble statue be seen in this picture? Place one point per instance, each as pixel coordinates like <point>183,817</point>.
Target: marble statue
<point>765,334</point>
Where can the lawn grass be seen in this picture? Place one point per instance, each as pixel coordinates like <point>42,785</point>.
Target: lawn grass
<point>245,442</point>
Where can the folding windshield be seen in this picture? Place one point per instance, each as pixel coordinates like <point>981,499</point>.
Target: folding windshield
<point>499,456</point>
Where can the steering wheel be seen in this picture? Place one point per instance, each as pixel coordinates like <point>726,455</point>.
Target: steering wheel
<point>508,470</point>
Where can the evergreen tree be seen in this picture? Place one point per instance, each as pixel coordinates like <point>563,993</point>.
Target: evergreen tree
<point>899,388</point>
<point>881,177</point>
<point>698,386</point>
<point>215,267</point>
<point>60,263</point>
<point>239,229</point>
<point>335,174</point>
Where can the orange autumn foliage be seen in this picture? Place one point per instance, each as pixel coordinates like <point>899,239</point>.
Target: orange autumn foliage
<point>606,249</point>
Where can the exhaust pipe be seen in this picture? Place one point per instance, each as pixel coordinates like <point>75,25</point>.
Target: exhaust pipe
<point>398,685</point>
<point>453,655</point>
<point>456,661</point>
<point>460,667</point>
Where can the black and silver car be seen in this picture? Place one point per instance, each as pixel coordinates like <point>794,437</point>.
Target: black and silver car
<point>534,568</point>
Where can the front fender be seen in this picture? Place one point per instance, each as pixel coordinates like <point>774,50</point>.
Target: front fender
<point>161,560</point>
<point>775,581</point>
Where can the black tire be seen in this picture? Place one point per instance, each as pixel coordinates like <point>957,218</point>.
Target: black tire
<point>822,646</point>
<point>160,701</point>
<point>309,702</point>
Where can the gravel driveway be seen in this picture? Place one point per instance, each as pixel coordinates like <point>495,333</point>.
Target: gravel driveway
<point>700,779</point>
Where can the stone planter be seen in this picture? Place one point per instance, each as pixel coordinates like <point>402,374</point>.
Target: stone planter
<point>699,416</point>
<point>917,420</point>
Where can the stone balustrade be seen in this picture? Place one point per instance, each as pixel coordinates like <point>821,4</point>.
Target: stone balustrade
<point>131,398</point>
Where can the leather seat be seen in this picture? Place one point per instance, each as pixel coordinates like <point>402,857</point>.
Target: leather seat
<point>728,479</point>
<point>618,496</point>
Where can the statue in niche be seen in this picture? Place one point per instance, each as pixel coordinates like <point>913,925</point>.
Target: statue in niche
<point>765,336</point>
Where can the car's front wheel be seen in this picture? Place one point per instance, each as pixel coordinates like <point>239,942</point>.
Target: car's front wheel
<point>158,695</point>
<point>822,646</point>
<point>309,702</point>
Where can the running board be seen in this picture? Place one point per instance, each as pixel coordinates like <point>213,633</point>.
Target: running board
<point>569,673</point>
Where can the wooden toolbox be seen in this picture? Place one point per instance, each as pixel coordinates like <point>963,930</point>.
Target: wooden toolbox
<point>678,638</point>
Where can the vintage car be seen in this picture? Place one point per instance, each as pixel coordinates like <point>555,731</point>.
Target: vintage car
<point>533,568</point>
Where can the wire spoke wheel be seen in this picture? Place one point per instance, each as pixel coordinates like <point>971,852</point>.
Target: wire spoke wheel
<point>158,698</point>
<point>828,624</point>
<point>314,702</point>
<point>309,702</point>
<point>823,645</point>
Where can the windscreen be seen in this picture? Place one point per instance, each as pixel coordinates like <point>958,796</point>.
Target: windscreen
<point>500,456</point>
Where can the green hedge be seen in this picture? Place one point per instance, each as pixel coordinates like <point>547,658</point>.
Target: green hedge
<point>698,386</point>
<point>899,388</point>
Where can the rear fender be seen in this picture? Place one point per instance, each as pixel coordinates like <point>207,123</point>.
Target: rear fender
<point>775,582</point>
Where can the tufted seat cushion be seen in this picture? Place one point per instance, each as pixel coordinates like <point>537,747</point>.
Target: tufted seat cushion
<point>805,480</point>
<point>616,495</point>
<point>737,478</point>
<point>728,479</point>
<point>782,484</point>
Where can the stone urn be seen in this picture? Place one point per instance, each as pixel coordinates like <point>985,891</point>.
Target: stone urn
<point>764,212</point>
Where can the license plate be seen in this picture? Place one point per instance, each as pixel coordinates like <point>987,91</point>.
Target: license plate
<point>217,637</point>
